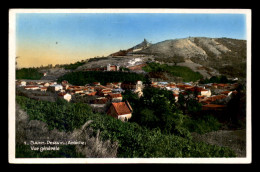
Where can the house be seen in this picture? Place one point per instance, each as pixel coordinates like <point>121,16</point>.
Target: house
<point>46,84</point>
<point>214,107</point>
<point>77,91</point>
<point>109,85</point>
<point>55,87</point>
<point>31,87</point>
<point>234,92</point>
<point>52,83</point>
<point>183,87</point>
<point>202,91</point>
<point>96,83</point>
<point>64,82</point>
<point>201,98</point>
<point>214,85</point>
<point>120,110</point>
<point>65,96</point>
<point>23,83</point>
<point>117,84</point>
<point>31,83</point>
<point>103,91</point>
<point>73,87</point>
<point>176,96</point>
<point>136,87</point>
<point>227,93</point>
<point>171,85</point>
<point>65,87</point>
<point>43,89</point>
<point>115,97</point>
<point>92,94</point>
<point>99,104</point>
<point>118,90</point>
<point>213,98</point>
<point>205,92</point>
<point>223,86</point>
<point>113,67</point>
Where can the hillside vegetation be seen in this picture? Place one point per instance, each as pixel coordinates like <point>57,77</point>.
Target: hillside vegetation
<point>28,73</point>
<point>87,77</point>
<point>178,71</point>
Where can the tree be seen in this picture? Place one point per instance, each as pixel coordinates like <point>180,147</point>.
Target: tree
<point>188,104</point>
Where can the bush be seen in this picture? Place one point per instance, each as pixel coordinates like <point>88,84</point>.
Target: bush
<point>203,124</point>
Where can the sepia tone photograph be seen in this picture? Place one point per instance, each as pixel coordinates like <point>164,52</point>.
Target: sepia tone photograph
<point>129,86</point>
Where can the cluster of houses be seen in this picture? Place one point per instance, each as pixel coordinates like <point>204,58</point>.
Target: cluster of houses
<point>204,94</point>
<point>109,99</point>
<point>109,94</point>
<point>107,68</point>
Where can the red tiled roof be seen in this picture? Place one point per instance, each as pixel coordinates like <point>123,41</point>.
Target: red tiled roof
<point>31,86</point>
<point>214,98</point>
<point>171,85</point>
<point>155,86</point>
<point>73,87</point>
<point>213,107</point>
<point>62,94</point>
<point>184,86</point>
<point>78,90</point>
<point>234,92</point>
<point>121,108</point>
<point>100,101</point>
<point>175,95</point>
<point>198,89</point>
<point>225,92</point>
<point>114,95</point>
<point>92,94</point>
<point>223,85</point>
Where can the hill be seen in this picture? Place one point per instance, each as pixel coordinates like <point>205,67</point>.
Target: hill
<point>208,56</point>
<point>226,55</point>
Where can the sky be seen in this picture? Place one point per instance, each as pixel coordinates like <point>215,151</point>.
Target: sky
<point>62,38</point>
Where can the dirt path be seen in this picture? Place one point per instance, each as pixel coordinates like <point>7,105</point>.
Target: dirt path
<point>234,139</point>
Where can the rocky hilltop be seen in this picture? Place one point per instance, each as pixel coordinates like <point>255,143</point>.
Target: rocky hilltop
<point>209,56</point>
<point>226,55</point>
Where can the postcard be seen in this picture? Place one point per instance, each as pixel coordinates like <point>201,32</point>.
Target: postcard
<point>129,86</point>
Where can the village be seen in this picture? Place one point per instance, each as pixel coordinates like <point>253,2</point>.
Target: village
<point>108,98</point>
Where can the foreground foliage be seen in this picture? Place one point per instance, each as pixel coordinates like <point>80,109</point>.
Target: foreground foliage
<point>134,140</point>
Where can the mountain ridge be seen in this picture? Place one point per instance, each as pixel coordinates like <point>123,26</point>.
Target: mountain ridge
<point>223,56</point>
